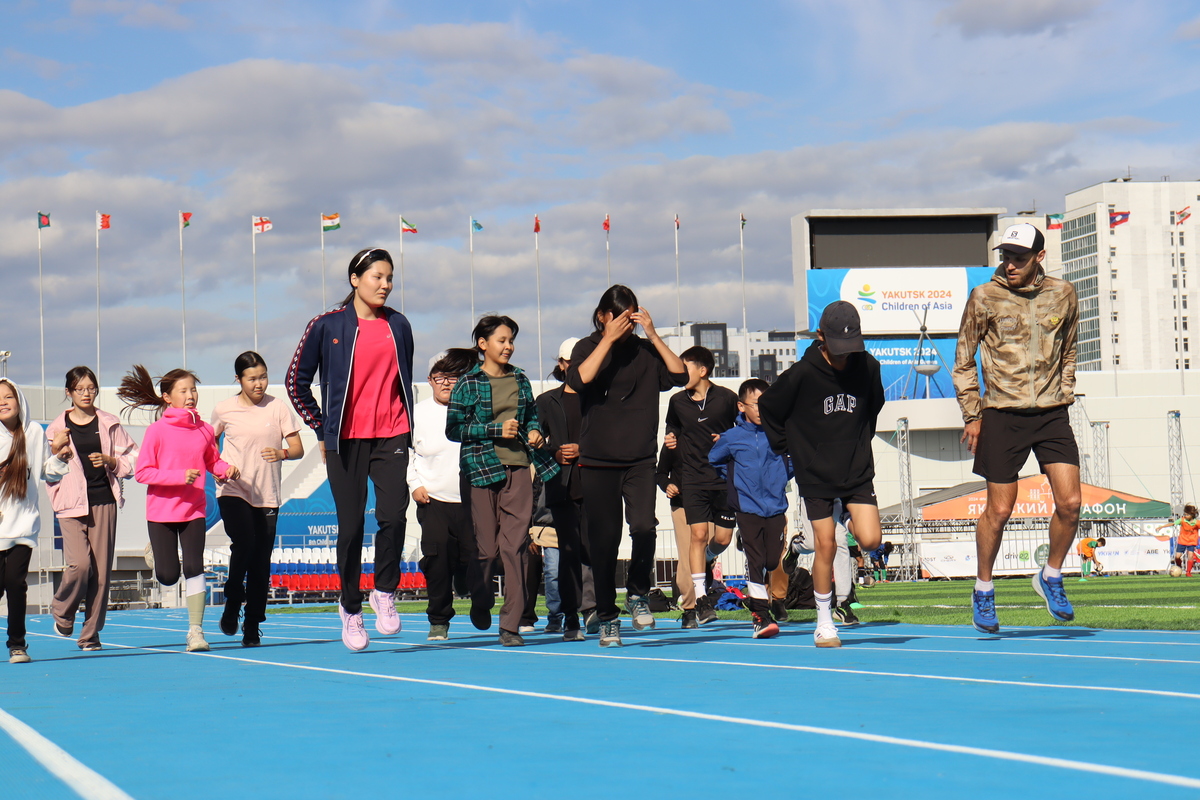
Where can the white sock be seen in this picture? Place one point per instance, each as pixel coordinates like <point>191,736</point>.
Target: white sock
<point>1050,572</point>
<point>984,586</point>
<point>193,585</point>
<point>698,582</point>
<point>824,612</point>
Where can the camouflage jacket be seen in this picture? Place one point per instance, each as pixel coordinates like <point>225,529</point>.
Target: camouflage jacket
<point>1026,340</point>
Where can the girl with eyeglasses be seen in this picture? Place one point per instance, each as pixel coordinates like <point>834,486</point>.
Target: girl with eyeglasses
<point>363,351</point>
<point>85,501</point>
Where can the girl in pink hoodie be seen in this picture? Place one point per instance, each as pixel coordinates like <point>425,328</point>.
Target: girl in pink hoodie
<point>176,452</point>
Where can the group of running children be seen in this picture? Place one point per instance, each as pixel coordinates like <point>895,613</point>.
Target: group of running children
<point>471,456</point>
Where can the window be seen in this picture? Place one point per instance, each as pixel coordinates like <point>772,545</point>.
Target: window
<point>1185,344</point>
<point>1181,238</point>
<point>1113,295</point>
<point>1174,281</point>
<point>1113,274</point>
<point>1114,316</point>
<point>1185,302</point>
<point>1116,338</point>
<point>1185,323</point>
<point>1182,260</point>
<point>1112,252</point>
<point>1116,359</point>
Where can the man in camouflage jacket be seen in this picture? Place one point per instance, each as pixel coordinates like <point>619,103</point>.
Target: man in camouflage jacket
<point>1023,323</point>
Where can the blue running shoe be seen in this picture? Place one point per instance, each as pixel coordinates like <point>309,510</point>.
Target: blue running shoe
<point>984,618</point>
<point>1051,590</point>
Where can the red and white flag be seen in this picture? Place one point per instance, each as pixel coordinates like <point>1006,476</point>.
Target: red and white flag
<point>537,224</point>
<point>1181,216</point>
<point>261,224</point>
<point>103,221</point>
<point>606,227</point>
<point>185,219</point>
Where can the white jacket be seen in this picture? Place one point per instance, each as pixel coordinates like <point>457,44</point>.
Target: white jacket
<point>434,463</point>
<point>20,520</point>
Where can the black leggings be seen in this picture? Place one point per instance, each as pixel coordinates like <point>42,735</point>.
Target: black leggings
<point>604,489</point>
<point>14,583</point>
<point>165,540</point>
<point>251,532</point>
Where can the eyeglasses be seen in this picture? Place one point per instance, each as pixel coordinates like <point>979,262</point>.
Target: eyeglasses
<point>443,380</point>
<point>93,390</point>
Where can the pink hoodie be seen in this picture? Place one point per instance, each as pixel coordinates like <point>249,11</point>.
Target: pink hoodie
<point>179,441</point>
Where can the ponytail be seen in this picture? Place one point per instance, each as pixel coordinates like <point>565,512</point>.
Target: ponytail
<point>137,389</point>
<point>14,470</point>
<point>358,265</point>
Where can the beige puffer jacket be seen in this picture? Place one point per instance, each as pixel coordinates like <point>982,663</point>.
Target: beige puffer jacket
<point>1026,340</point>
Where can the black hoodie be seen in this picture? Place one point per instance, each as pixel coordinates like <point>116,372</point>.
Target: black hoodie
<point>620,406</point>
<point>825,419</point>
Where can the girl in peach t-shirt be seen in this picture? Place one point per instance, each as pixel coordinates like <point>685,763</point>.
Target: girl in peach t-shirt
<point>255,424</point>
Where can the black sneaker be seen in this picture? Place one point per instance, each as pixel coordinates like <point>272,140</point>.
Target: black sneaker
<point>229,620</point>
<point>779,610</point>
<point>250,635</point>
<point>764,628</point>
<point>844,615</point>
<point>554,626</point>
<point>481,617</point>
<point>689,619</point>
<point>510,639</point>
<point>705,613</point>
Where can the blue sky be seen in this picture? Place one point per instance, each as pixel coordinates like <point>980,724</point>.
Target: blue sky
<point>140,108</point>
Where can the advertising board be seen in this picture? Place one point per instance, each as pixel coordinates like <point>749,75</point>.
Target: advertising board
<point>895,300</point>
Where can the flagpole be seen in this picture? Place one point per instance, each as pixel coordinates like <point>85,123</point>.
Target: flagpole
<point>98,299</point>
<point>607,252</point>
<point>678,302</point>
<point>254,276</point>
<point>1178,306</point>
<point>41,319</point>
<point>401,263</point>
<point>471,234</point>
<point>323,300</point>
<point>537,260</point>
<point>182,293</point>
<point>742,252</point>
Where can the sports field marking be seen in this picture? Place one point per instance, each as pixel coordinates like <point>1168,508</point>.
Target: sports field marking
<point>966,608</point>
<point>804,668</point>
<point>1001,755</point>
<point>84,781</point>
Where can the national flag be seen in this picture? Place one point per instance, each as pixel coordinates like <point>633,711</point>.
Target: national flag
<point>43,220</point>
<point>1054,222</point>
<point>1116,218</point>
<point>676,222</point>
<point>331,222</point>
<point>475,226</point>
<point>743,220</point>
<point>537,224</point>
<point>103,221</point>
<point>261,224</point>
<point>406,226</point>
<point>606,227</point>
<point>185,219</point>
<point>1181,216</point>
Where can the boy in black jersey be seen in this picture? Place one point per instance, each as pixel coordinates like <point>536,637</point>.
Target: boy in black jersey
<point>696,416</point>
<point>822,411</point>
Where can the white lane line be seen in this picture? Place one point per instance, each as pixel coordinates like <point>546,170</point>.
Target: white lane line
<point>838,670</point>
<point>1001,755</point>
<point>1031,655</point>
<point>967,609</point>
<point>84,781</point>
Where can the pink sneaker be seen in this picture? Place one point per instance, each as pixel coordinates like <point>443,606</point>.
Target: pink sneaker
<point>387,621</point>
<point>354,635</point>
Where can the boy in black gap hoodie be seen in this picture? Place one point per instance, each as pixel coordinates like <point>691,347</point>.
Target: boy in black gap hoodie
<point>822,411</point>
<point>695,416</point>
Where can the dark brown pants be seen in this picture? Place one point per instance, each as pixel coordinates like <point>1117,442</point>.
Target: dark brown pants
<point>500,513</point>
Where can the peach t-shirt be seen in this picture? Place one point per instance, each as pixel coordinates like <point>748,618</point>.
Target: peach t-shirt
<point>248,429</point>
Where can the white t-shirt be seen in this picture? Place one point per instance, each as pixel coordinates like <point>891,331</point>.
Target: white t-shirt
<point>248,429</point>
<point>434,463</point>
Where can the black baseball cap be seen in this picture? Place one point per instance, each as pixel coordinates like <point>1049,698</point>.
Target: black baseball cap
<point>1022,238</point>
<point>842,328</point>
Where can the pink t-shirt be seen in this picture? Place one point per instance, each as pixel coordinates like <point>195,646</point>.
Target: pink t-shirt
<point>248,429</point>
<point>374,404</point>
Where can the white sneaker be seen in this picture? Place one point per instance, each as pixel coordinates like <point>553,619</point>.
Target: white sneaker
<point>148,554</point>
<point>387,621</point>
<point>826,636</point>
<point>354,635</point>
<point>195,639</point>
<point>525,629</point>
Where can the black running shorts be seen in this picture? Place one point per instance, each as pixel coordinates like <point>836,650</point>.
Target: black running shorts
<point>822,507</point>
<point>1007,437</point>
<point>707,505</point>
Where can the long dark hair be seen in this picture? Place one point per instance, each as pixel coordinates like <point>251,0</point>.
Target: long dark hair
<point>359,264</point>
<point>137,388</point>
<point>14,470</point>
<point>488,325</point>
<point>616,299</point>
<point>76,374</point>
<point>247,360</point>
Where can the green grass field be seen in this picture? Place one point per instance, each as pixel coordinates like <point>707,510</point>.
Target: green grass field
<point>1143,602</point>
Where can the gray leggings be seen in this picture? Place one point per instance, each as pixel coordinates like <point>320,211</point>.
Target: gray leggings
<point>166,538</point>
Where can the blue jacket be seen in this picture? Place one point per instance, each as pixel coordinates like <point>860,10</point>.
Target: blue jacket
<point>756,475</point>
<point>328,345</point>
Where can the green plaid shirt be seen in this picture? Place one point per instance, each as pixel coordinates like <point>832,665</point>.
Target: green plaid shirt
<point>469,420</point>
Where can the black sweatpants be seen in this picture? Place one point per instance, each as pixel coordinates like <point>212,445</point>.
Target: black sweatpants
<point>448,546</point>
<point>605,489</point>
<point>385,463</point>
<point>14,585</point>
<point>167,539</point>
<point>762,541</point>
<point>251,532</point>
<point>568,519</point>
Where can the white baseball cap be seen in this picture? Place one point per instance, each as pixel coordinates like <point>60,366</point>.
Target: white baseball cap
<point>1022,238</point>
<point>565,349</point>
